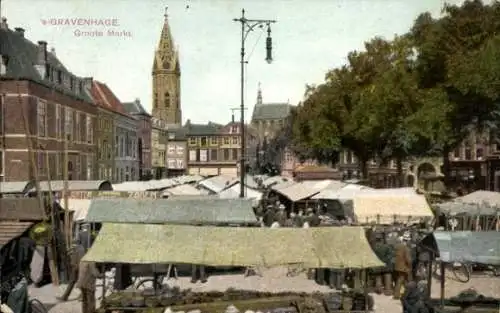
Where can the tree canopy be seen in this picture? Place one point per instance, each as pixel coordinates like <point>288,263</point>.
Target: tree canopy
<point>418,94</point>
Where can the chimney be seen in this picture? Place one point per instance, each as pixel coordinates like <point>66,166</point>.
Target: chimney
<point>3,24</point>
<point>53,51</point>
<point>232,117</point>
<point>20,31</point>
<point>42,52</point>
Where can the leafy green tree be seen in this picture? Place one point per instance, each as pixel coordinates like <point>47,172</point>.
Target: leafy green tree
<point>449,52</point>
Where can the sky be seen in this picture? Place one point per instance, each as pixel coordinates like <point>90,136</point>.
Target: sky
<point>309,38</point>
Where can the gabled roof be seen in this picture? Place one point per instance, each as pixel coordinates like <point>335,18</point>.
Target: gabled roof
<point>105,98</point>
<point>135,108</point>
<point>271,111</point>
<point>22,57</point>
<point>203,129</point>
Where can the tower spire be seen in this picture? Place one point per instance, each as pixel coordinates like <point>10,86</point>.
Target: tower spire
<point>166,40</point>
<point>259,95</point>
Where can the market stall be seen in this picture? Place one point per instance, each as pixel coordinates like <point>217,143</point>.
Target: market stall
<point>335,247</point>
<point>467,248</point>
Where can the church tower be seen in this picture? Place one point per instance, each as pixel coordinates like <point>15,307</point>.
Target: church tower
<point>167,79</point>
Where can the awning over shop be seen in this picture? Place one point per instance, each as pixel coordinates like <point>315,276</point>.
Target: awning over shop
<point>202,210</point>
<point>481,247</point>
<point>12,230</point>
<point>326,247</point>
<point>387,208</point>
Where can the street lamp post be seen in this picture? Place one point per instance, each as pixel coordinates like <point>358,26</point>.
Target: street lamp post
<point>248,25</point>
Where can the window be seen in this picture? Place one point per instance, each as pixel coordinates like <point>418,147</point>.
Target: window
<point>59,159</point>
<point>171,136</point>
<point>468,154</point>
<point>122,174</point>
<point>117,146</point>
<point>479,153</point>
<point>203,155</point>
<point>180,164</point>
<point>132,174</point>
<point>41,164</point>
<point>78,168</point>
<point>58,127</point>
<point>213,155</point>
<point>167,100</point>
<point>155,100</point>
<point>226,140</point>
<point>171,149</point>
<point>71,83</point>
<point>456,153</point>
<point>350,158</point>
<point>203,141</point>
<point>192,141</point>
<point>78,134</point>
<point>89,167</point>
<point>1,164</point>
<point>42,118</point>
<point>235,154</point>
<point>234,129</point>
<point>214,141</point>
<point>171,163</point>
<point>192,155</point>
<point>59,77</point>
<point>180,150</point>
<point>235,140</point>
<point>127,174</point>
<point>68,124</point>
<point>226,154</point>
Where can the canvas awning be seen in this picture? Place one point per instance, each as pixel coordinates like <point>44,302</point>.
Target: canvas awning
<point>10,230</point>
<point>387,208</point>
<point>323,247</point>
<point>306,189</point>
<point>465,246</point>
<point>201,210</point>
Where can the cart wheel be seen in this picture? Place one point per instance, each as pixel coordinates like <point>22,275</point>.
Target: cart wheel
<point>35,306</point>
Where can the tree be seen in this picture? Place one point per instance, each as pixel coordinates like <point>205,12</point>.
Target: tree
<point>448,51</point>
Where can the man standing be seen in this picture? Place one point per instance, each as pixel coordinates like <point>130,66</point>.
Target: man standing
<point>402,266</point>
<point>87,275</point>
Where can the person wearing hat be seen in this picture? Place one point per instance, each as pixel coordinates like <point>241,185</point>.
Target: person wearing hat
<point>402,265</point>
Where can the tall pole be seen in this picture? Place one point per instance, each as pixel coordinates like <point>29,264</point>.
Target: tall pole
<point>242,107</point>
<point>248,25</point>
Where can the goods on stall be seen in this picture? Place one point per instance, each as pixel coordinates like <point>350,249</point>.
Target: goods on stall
<point>243,300</point>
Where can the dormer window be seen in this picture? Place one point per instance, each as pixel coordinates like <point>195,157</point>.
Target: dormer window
<point>59,77</point>
<point>3,65</point>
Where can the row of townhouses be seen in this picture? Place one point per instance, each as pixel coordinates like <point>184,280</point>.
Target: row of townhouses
<point>50,116</point>
<point>58,116</point>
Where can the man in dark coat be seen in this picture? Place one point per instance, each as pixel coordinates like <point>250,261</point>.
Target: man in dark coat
<point>413,300</point>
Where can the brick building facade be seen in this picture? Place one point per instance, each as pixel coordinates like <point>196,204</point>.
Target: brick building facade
<point>44,108</point>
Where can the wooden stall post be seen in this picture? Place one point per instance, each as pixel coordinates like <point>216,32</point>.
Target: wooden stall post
<point>442,281</point>
<point>34,168</point>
